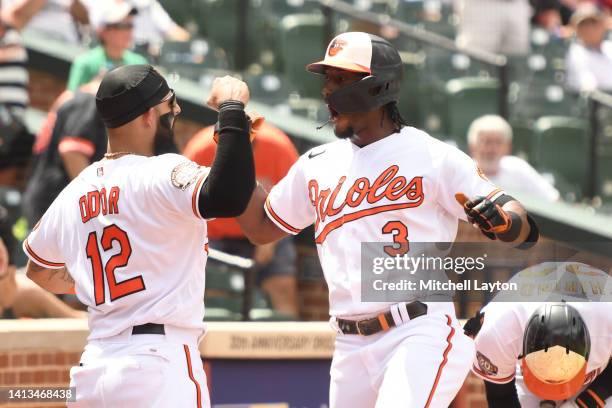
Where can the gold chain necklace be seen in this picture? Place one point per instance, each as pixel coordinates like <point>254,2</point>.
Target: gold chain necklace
<point>115,155</point>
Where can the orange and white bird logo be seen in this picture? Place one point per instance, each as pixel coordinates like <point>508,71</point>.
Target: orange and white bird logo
<point>335,47</point>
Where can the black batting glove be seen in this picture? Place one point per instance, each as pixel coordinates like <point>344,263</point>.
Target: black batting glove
<point>489,217</point>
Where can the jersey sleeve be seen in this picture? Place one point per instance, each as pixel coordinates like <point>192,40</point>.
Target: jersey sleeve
<point>176,184</point>
<point>460,174</point>
<point>42,245</point>
<point>78,132</point>
<point>289,205</point>
<point>498,344</point>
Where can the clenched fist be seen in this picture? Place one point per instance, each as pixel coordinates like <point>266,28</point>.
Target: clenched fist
<point>486,215</point>
<point>227,88</point>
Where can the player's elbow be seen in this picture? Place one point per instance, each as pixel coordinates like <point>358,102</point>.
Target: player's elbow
<point>224,202</point>
<point>33,273</point>
<point>263,232</point>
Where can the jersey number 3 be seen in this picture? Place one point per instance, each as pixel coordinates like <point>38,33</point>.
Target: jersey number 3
<point>116,289</point>
<point>400,238</point>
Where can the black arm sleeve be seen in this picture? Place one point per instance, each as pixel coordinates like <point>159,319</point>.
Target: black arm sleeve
<point>502,395</point>
<point>227,189</point>
<point>601,386</point>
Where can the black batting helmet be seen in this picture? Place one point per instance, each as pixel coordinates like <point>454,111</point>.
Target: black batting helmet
<point>556,347</point>
<point>368,54</point>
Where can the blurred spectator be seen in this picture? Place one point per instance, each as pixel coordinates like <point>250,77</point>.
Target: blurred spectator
<point>15,154</point>
<point>58,19</point>
<point>19,297</point>
<point>490,145</point>
<point>547,16</point>
<point>18,13</point>
<point>7,283</point>
<point>115,30</point>
<point>77,139</point>
<point>589,59</point>
<point>152,24</point>
<point>13,60</point>
<point>498,26</point>
<point>274,154</point>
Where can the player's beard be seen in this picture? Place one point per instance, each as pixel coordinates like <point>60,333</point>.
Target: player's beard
<point>342,128</point>
<point>164,135</point>
<point>343,133</point>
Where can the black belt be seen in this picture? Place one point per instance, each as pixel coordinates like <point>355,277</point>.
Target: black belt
<point>149,328</point>
<point>382,322</point>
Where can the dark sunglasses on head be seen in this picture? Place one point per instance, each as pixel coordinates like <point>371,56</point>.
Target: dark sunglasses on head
<point>172,99</point>
<point>120,26</point>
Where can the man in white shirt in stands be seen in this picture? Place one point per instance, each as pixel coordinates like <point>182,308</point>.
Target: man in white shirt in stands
<point>589,59</point>
<point>152,24</point>
<point>498,26</point>
<point>56,19</point>
<point>490,145</point>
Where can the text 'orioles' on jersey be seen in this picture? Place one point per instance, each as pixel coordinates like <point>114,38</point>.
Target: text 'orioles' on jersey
<point>398,189</point>
<point>499,342</point>
<point>124,280</point>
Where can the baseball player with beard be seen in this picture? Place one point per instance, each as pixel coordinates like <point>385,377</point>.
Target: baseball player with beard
<point>383,181</point>
<point>128,235</point>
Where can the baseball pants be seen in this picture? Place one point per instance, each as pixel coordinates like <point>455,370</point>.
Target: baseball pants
<point>141,371</point>
<point>421,363</point>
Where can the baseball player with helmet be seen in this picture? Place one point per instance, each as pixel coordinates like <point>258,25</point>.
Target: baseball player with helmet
<point>382,181</point>
<point>128,235</point>
<point>544,355</point>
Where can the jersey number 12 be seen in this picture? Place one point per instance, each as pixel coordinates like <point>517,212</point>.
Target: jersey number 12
<point>116,289</point>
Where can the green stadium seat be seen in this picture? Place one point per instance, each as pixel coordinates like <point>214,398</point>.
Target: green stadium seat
<point>374,6</point>
<point>523,140</point>
<point>223,278</point>
<point>213,314</point>
<point>562,149</point>
<point>311,108</point>
<point>542,42</point>
<point>604,170</point>
<point>221,22</point>
<point>190,59</point>
<point>225,295</point>
<point>267,87</point>
<point>442,65</point>
<point>538,88</point>
<point>467,99</point>
<point>604,152</point>
<point>409,104</point>
<point>409,11</point>
<point>280,8</point>
<point>232,304</point>
<point>302,41</point>
<point>266,315</point>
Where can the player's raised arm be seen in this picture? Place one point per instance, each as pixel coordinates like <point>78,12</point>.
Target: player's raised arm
<point>254,222</point>
<point>228,187</point>
<point>285,210</point>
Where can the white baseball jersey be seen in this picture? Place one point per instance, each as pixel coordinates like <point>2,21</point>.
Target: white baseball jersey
<point>499,342</point>
<point>131,236</point>
<point>401,188</point>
